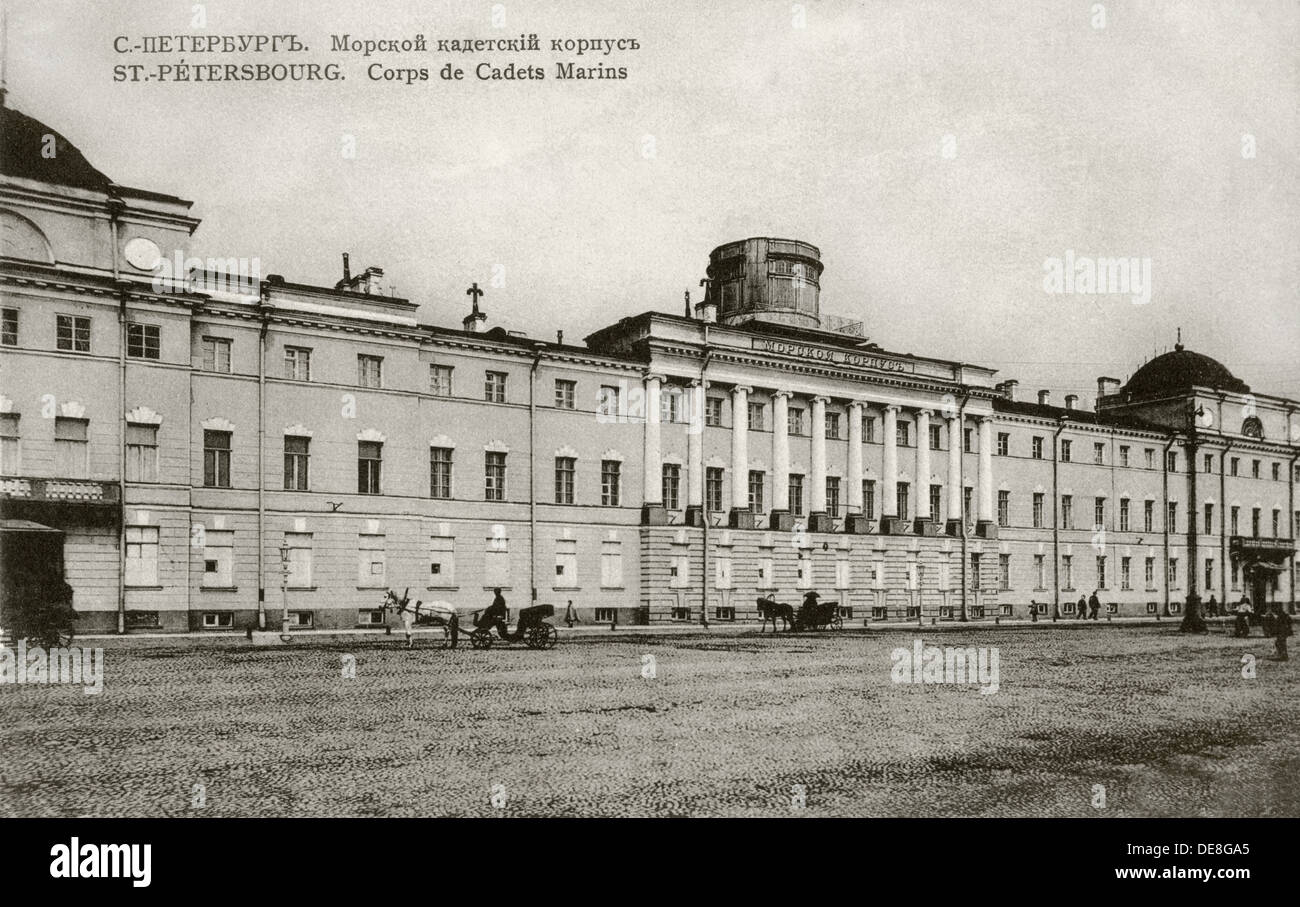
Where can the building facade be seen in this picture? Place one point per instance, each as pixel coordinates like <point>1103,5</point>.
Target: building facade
<point>218,447</point>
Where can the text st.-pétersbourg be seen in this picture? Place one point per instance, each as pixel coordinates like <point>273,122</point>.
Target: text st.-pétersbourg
<point>188,69</point>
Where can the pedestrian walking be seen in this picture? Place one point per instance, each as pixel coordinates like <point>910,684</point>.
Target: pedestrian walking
<point>453,627</point>
<point>1241,628</point>
<point>1094,605</point>
<point>1033,610</point>
<point>1212,607</point>
<point>570,615</point>
<point>1082,607</point>
<point>1281,630</point>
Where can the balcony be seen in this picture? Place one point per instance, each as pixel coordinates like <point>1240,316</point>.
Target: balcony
<point>60,502</point>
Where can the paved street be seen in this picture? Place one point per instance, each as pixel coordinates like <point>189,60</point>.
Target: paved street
<point>731,725</point>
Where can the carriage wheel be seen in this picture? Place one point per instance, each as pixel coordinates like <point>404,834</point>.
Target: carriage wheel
<point>536,638</point>
<point>481,639</point>
<point>551,638</point>
<point>837,622</point>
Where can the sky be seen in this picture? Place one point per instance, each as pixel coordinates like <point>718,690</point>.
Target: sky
<point>938,153</point>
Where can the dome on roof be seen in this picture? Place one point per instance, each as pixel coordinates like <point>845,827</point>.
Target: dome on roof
<point>1180,371</point>
<point>26,153</point>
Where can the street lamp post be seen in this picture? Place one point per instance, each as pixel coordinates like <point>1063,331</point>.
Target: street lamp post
<point>284,588</point>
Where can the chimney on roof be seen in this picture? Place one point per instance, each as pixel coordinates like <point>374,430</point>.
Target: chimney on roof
<point>1107,386</point>
<point>1008,388</point>
<point>1071,400</point>
<point>347,270</point>
<point>559,338</point>
<point>1043,397</point>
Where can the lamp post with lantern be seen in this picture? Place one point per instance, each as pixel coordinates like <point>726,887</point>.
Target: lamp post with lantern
<point>284,589</point>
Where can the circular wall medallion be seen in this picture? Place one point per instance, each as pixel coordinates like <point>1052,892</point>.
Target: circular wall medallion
<point>143,253</point>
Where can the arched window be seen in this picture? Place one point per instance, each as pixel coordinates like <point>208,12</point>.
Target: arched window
<point>20,238</point>
<point>1252,427</point>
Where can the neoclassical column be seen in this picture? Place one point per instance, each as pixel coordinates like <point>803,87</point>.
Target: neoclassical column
<point>956,445</point>
<point>817,494</point>
<point>986,470</point>
<point>889,481</point>
<point>653,489</point>
<point>695,446</point>
<point>855,457</point>
<point>740,447</point>
<point>781,451</point>
<point>922,490</point>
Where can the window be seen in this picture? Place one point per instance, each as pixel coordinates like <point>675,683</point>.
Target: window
<point>611,482</point>
<point>370,617</point>
<point>1099,454</point>
<point>672,473</point>
<point>1123,455</point>
<point>1004,572</point>
<point>1149,456</point>
<point>496,562</point>
<point>566,393</point>
<point>1234,519</point>
<point>936,502</point>
<point>1038,510</point>
<point>713,488</point>
<point>1209,519</point>
<point>1277,471</point>
<point>869,499</point>
<point>755,491</point>
<point>1209,462</point>
<point>440,380</point>
<point>141,453</point>
<point>1126,573</point>
<point>494,476</point>
<point>1040,571</point>
<point>297,363</point>
<point>1101,572</point>
<point>1149,572</point>
<point>302,620</point>
<point>8,327</point>
<point>1036,447</point>
<point>372,563</point>
<point>1234,464</point>
<point>794,420</point>
<point>442,561</point>
<point>1171,461</point>
<point>1065,451</point>
<point>603,615</point>
<point>1067,570</point>
<point>796,494</point>
<point>216,355</point>
<point>1004,508</point>
<point>440,472</point>
<point>611,564</point>
<point>296,451</point>
<point>1254,522</point>
<point>141,556</point>
<point>670,405</point>
<point>1098,512</point>
<point>300,547</point>
<point>73,333</point>
<point>1173,573</point>
<point>1254,469</point>
<point>1277,520</point>
<point>967,494</point>
<point>564,469</point>
<point>904,434</point>
<point>1067,511</point>
<point>935,437</point>
<point>566,563</point>
<point>833,426</point>
<point>218,559</point>
<point>1236,576</point>
<point>713,411</point>
<point>1004,443</point>
<point>975,560</point>
<point>216,459</point>
<point>833,497</point>
<point>1148,516</point>
<point>370,462</point>
<point>903,509</point>
<point>218,620</point>
<point>868,429</point>
<point>756,416</point>
<point>1171,516</point>
<point>1123,514</point>
<point>607,400</point>
<point>1209,574</point>
<point>494,387</point>
<point>370,371</point>
<point>10,446</point>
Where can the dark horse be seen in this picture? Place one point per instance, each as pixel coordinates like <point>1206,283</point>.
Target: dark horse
<point>771,610</point>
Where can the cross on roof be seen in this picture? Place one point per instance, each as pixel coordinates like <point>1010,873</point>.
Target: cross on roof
<point>475,292</point>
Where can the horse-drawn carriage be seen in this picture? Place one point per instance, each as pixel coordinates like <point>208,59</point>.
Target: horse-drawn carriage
<point>442,620</point>
<point>811,615</point>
